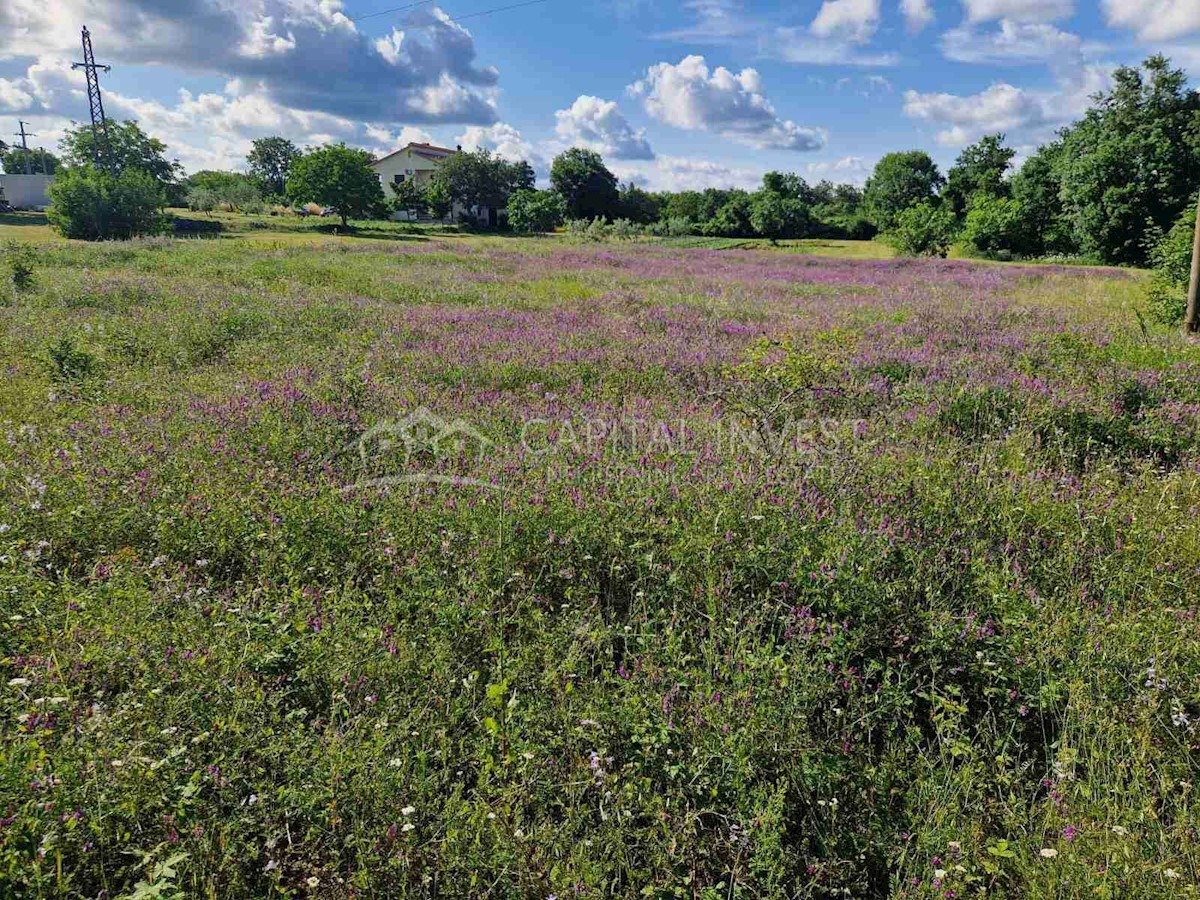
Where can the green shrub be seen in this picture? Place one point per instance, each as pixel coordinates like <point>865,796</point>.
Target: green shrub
<point>923,230</point>
<point>530,211</point>
<point>1166,294</point>
<point>994,226</point>
<point>92,205</point>
<point>69,363</point>
<point>18,266</point>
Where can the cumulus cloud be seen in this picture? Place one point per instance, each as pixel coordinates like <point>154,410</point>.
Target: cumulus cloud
<point>917,13</point>
<point>847,170</point>
<point>677,173</point>
<point>850,20</point>
<point>1155,20</point>
<point>599,125</point>
<point>1006,108</point>
<point>1012,42</point>
<point>690,97</point>
<point>1018,10</point>
<point>13,97</point>
<point>502,139</point>
<point>833,39</point>
<point>303,54</point>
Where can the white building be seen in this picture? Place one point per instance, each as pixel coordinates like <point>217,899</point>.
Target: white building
<point>25,191</point>
<point>417,163</point>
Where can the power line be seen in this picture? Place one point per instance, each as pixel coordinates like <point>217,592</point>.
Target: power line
<point>384,12</point>
<point>474,15</point>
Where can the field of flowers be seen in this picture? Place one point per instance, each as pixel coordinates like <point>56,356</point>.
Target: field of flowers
<point>513,568</point>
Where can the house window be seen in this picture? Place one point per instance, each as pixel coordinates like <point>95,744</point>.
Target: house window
<point>397,178</point>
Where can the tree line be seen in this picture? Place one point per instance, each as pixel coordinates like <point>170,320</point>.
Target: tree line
<point>1109,188</point>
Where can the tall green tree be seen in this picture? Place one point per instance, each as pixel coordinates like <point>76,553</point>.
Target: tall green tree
<point>900,181</point>
<point>41,162</point>
<point>1037,187</point>
<point>128,148</point>
<point>337,176</point>
<point>269,161</point>
<point>585,183</point>
<point>479,178</point>
<point>1132,164</point>
<point>981,167</point>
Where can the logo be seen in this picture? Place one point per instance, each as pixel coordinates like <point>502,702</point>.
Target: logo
<point>421,448</point>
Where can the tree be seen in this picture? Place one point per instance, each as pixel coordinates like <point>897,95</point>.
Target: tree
<point>733,219</point>
<point>40,161</point>
<point>900,180</point>
<point>585,183</point>
<point>1037,187</point>
<point>128,148</point>
<point>407,197</point>
<point>774,215</point>
<point>336,176</point>
<point>530,210</point>
<point>926,229</point>
<point>480,179</point>
<point>994,225</point>
<point>208,189</point>
<point>92,204</point>
<point>637,205</point>
<point>270,161</point>
<point>979,168</point>
<point>1131,165</point>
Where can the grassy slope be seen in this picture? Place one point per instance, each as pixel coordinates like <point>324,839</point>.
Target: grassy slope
<point>947,643</point>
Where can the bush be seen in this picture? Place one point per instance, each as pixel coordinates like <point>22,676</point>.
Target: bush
<point>17,265</point>
<point>92,205</point>
<point>68,363</point>
<point>530,211</point>
<point>1166,295</point>
<point>994,226</point>
<point>624,229</point>
<point>923,230</point>
<point>202,200</point>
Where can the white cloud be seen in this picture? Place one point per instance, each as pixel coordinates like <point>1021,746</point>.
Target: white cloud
<point>688,96</point>
<point>382,141</point>
<point>1154,20</point>
<point>726,23</point>
<point>1012,42</point>
<point>847,170</point>
<point>917,13</point>
<point>13,97</point>
<point>1018,10</point>
<point>850,20</point>
<point>302,54</point>
<point>676,173</point>
<point>599,125</point>
<point>503,140</point>
<point>1006,108</point>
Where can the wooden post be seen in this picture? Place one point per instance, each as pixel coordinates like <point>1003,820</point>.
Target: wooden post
<point>1191,320</point>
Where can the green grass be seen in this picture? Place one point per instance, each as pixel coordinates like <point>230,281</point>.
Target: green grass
<point>613,637</point>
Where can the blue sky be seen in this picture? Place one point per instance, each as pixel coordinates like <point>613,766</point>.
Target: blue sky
<point>675,94</point>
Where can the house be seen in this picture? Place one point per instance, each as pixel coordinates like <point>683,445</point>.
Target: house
<point>25,191</point>
<point>416,162</point>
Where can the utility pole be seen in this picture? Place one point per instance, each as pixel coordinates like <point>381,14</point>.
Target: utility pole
<point>1191,321</point>
<point>100,147</point>
<point>24,135</point>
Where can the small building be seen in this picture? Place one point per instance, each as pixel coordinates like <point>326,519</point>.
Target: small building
<point>416,162</point>
<point>25,191</point>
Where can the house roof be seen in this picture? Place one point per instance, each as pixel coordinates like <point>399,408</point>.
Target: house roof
<point>429,151</point>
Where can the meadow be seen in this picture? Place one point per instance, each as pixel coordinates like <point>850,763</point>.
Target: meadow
<point>432,565</point>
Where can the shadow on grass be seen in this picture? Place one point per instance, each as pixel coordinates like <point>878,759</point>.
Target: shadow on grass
<point>24,218</point>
